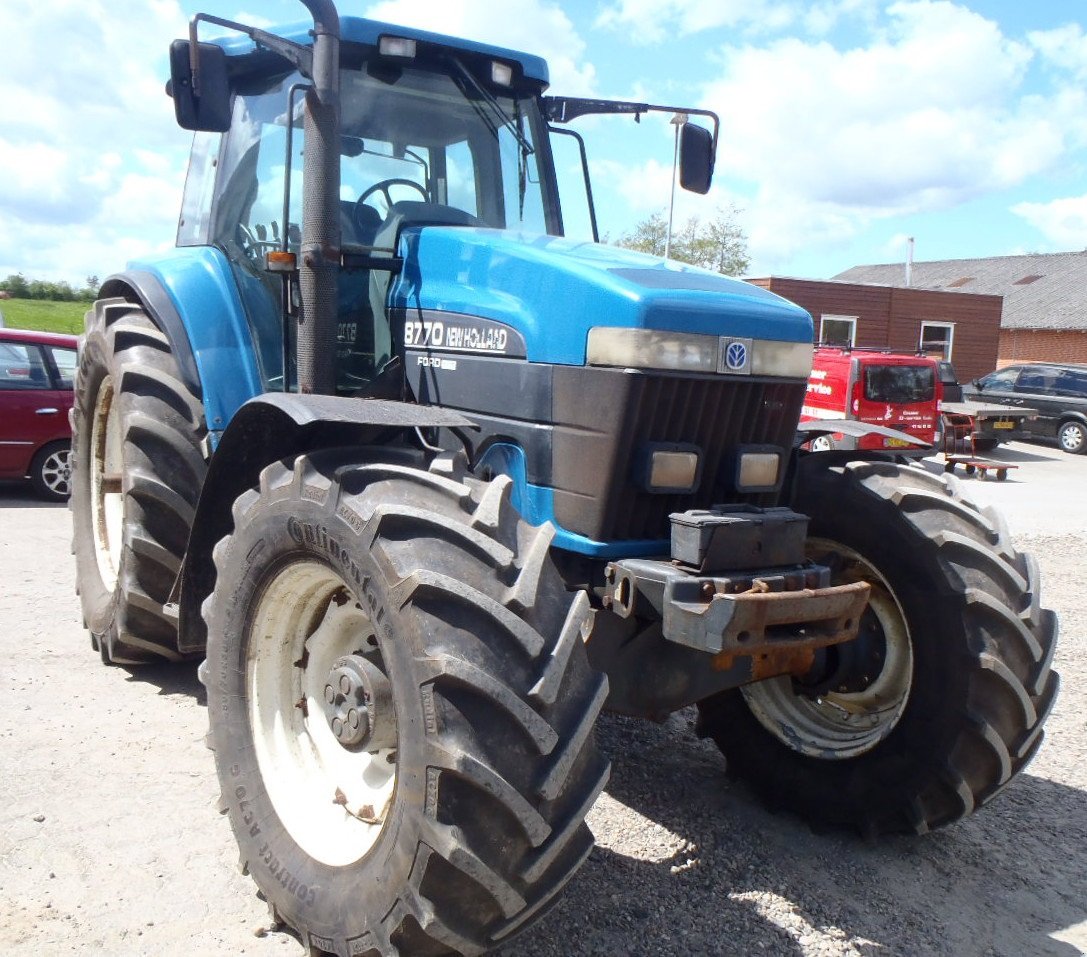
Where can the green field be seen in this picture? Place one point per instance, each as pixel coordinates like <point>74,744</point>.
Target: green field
<point>43,315</point>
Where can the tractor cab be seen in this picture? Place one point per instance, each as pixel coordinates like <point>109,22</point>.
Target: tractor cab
<point>429,134</point>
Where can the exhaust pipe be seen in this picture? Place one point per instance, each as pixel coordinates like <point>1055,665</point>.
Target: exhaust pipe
<point>320,252</point>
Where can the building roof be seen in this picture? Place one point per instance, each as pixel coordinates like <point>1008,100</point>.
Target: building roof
<point>1042,291</point>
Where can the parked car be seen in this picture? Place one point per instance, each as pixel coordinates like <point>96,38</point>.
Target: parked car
<point>899,391</point>
<point>1057,391</point>
<point>37,370</point>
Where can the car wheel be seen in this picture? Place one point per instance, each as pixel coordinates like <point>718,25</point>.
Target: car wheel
<point>51,472</point>
<point>1072,437</point>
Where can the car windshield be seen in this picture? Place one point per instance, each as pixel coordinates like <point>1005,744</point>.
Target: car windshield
<point>899,383</point>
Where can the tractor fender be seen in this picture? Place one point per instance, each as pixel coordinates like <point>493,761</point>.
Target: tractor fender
<point>270,428</point>
<point>191,294</point>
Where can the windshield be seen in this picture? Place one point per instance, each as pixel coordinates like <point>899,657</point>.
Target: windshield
<point>899,384</point>
<point>414,143</point>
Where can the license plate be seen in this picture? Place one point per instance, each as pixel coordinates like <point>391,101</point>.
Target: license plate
<point>1003,425</point>
<point>896,443</point>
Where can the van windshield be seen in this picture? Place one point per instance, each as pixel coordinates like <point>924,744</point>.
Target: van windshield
<point>900,384</point>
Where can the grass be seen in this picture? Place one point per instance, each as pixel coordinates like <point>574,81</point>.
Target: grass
<point>43,315</point>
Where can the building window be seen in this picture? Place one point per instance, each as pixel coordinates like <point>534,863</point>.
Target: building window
<point>838,330</point>
<point>937,339</point>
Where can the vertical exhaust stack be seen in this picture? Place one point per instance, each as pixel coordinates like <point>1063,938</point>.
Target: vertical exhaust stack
<point>320,207</point>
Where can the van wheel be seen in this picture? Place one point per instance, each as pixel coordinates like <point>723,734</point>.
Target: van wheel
<point>1072,437</point>
<point>821,443</point>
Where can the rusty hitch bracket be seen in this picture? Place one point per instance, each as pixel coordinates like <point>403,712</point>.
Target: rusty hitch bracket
<point>780,613</point>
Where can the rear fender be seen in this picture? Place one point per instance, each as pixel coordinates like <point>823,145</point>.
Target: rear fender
<point>191,295</point>
<point>269,428</point>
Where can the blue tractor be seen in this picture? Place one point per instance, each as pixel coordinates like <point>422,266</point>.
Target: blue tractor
<point>428,485</point>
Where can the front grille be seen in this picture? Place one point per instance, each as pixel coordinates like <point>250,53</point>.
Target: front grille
<point>716,414</point>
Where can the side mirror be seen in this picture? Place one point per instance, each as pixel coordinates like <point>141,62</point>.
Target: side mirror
<point>210,111</point>
<point>695,158</point>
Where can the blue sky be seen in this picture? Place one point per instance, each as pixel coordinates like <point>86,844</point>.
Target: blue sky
<point>847,125</point>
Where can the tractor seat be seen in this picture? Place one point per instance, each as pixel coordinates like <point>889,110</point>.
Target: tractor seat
<point>358,224</point>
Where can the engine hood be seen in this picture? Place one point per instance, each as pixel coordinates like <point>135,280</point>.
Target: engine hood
<point>554,290</point>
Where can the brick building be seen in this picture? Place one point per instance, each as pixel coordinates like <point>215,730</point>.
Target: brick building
<point>962,328</point>
<point>1045,298</point>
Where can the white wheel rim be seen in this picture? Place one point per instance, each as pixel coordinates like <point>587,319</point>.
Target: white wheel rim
<point>107,496</point>
<point>1072,437</point>
<point>56,472</point>
<point>332,801</point>
<point>820,443</point>
<point>843,725</point>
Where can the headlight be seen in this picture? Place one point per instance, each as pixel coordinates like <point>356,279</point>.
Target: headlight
<point>693,352</point>
<point>652,349</point>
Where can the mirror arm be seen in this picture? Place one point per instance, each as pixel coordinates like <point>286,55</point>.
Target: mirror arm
<point>298,55</point>
<point>563,109</point>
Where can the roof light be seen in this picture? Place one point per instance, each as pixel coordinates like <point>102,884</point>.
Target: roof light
<point>501,73</point>
<point>397,46</point>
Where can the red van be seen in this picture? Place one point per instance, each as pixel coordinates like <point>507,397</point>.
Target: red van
<point>36,373</point>
<point>900,392</point>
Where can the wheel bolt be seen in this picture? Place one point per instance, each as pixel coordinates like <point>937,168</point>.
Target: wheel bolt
<point>353,719</point>
<point>337,727</point>
<point>345,684</point>
<point>330,694</point>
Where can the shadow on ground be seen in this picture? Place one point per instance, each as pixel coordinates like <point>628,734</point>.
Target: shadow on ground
<point>992,885</point>
<point>21,495</point>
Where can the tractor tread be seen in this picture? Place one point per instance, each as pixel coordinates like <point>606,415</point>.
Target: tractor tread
<point>161,435</point>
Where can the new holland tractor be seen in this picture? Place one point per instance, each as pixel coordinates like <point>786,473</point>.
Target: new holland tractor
<point>428,485</point>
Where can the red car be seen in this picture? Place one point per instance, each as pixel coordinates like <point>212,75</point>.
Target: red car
<point>37,370</point>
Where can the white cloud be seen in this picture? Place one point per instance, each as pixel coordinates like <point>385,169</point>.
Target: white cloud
<point>90,156</point>
<point>1064,47</point>
<point>539,27</point>
<point>928,115</point>
<point>654,21</point>
<point>1063,222</point>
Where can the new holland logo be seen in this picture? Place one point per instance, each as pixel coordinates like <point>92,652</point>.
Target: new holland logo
<point>735,356</point>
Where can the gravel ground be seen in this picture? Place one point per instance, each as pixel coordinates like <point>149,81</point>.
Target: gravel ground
<point>110,842</point>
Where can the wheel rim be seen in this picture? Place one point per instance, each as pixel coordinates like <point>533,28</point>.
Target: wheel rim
<point>333,801</point>
<point>837,726</point>
<point>56,472</point>
<point>107,496</point>
<point>1072,438</point>
<point>821,443</point>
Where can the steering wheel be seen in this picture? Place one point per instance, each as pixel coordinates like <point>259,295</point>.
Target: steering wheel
<point>384,188</point>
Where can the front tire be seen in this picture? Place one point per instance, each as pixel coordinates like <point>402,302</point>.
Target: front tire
<point>137,464</point>
<point>457,818</point>
<point>951,683</point>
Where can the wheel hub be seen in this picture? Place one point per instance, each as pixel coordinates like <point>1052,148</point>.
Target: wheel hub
<point>358,705</point>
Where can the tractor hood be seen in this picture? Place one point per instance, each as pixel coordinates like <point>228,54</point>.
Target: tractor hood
<point>554,290</point>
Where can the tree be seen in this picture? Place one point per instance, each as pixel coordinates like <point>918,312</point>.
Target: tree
<point>719,244</point>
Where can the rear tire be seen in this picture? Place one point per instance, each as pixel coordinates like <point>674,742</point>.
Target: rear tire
<point>1072,437</point>
<point>464,825</point>
<point>137,463</point>
<point>960,664</point>
<point>51,472</point>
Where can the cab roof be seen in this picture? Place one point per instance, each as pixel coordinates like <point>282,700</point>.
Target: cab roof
<point>368,32</point>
